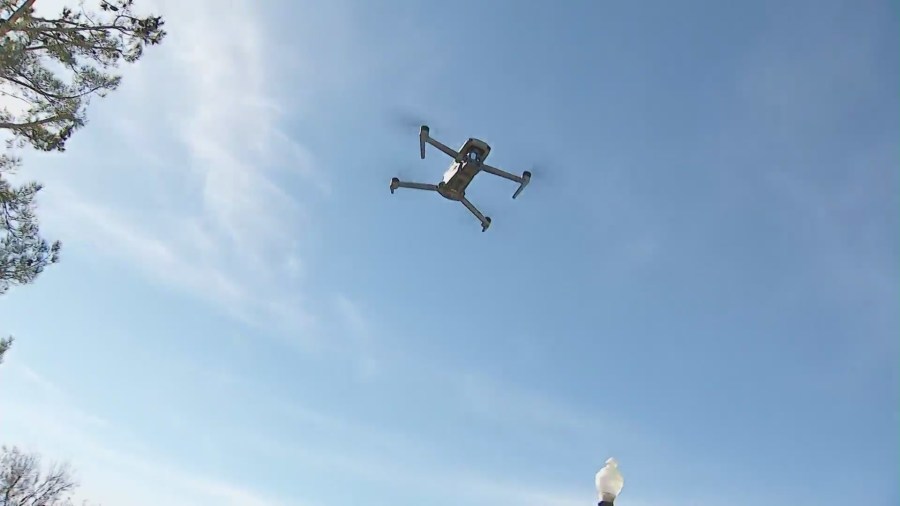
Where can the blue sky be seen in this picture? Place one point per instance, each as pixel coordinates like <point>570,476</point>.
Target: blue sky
<point>700,280</point>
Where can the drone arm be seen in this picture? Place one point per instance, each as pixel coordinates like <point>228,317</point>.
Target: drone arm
<point>424,137</point>
<point>500,172</point>
<point>414,186</point>
<point>523,180</point>
<point>485,221</point>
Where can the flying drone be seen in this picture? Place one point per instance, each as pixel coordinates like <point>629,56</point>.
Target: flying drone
<point>467,163</point>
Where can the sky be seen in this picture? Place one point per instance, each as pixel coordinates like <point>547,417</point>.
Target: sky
<point>700,280</point>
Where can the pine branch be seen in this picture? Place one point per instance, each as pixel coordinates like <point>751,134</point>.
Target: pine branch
<point>9,24</point>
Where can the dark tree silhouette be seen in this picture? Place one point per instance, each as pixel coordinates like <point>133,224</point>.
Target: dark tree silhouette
<point>23,483</point>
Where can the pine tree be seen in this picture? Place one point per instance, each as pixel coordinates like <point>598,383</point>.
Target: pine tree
<point>51,67</point>
<point>23,252</point>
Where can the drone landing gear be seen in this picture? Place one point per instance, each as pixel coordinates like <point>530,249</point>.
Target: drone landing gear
<point>485,220</point>
<point>396,183</point>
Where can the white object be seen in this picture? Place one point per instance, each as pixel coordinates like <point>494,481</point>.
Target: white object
<point>609,481</point>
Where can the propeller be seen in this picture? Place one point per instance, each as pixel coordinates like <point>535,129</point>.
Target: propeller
<point>408,122</point>
<point>548,180</point>
<point>407,173</point>
<point>543,176</point>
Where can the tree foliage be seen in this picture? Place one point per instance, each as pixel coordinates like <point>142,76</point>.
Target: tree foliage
<point>22,482</point>
<point>23,252</point>
<point>5,343</point>
<point>50,67</point>
<point>49,70</point>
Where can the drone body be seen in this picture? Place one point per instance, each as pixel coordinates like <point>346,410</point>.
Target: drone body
<point>467,163</point>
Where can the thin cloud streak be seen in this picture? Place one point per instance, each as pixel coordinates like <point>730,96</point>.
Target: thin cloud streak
<point>198,122</point>
<point>111,466</point>
<point>45,419</point>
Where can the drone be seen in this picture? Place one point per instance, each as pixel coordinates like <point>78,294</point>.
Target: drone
<point>467,163</point>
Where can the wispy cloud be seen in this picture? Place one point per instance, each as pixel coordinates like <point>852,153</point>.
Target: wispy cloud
<point>401,457</point>
<point>220,194</point>
<point>116,467</point>
<point>110,466</point>
<point>360,342</point>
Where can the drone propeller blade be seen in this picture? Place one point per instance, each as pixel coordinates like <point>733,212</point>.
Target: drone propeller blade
<point>405,173</point>
<point>543,181</point>
<point>408,122</point>
<point>544,175</point>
